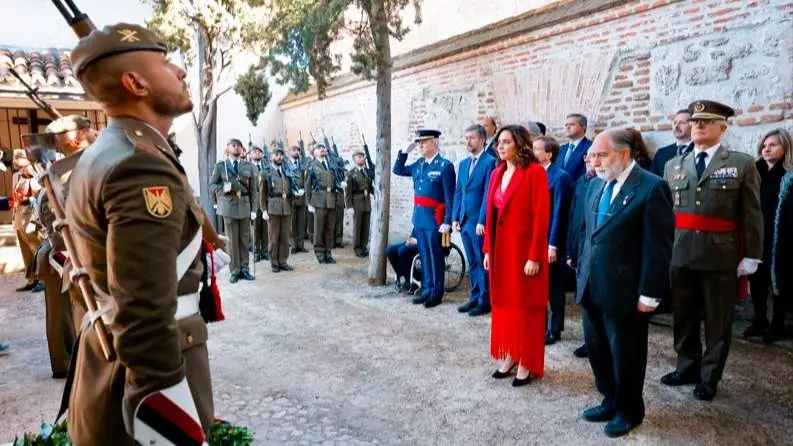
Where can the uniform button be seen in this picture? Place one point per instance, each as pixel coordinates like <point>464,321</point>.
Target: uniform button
<point>138,133</point>
<point>189,339</point>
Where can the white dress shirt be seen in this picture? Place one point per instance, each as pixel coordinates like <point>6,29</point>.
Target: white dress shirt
<point>711,151</point>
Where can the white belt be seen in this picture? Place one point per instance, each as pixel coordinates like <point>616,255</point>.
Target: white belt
<point>186,306</point>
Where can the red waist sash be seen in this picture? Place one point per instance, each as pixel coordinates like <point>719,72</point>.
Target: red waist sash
<point>440,208</point>
<point>706,223</point>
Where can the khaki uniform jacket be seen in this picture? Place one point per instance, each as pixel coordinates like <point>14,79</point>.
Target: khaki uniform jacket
<point>277,192</point>
<point>261,172</point>
<point>132,212</point>
<point>730,190</point>
<point>358,194</point>
<point>243,197</point>
<point>300,177</point>
<point>320,186</point>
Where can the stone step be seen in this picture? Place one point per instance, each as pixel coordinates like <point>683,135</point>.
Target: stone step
<point>10,255</point>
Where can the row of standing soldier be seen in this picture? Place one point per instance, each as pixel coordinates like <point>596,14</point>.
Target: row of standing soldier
<point>293,196</point>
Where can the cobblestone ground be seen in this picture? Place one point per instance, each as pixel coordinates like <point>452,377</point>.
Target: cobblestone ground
<point>317,357</point>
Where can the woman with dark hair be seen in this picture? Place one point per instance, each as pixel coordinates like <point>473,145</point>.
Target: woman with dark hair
<point>775,158</point>
<point>516,255</point>
<point>639,150</point>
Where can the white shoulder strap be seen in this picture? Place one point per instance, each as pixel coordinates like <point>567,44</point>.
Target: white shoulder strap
<point>188,254</point>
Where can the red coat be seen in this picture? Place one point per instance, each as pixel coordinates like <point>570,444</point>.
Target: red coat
<point>520,234</point>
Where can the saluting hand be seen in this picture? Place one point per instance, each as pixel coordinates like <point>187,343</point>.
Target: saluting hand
<point>411,147</point>
<point>531,268</point>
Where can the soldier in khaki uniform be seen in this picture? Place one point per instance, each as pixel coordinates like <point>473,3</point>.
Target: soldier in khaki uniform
<point>718,238</point>
<point>71,135</point>
<point>358,196</point>
<point>321,190</point>
<point>277,196</point>
<point>24,218</point>
<point>259,237</point>
<point>234,182</point>
<point>137,230</point>
<point>299,212</point>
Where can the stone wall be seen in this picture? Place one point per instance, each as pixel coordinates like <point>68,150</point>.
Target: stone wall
<point>621,63</point>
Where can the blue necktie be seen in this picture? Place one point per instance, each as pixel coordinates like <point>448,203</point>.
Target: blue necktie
<point>570,148</point>
<point>701,163</point>
<point>605,202</point>
<point>471,167</point>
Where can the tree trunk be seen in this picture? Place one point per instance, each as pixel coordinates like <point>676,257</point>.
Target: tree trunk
<point>207,157</point>
<point>382,202</point>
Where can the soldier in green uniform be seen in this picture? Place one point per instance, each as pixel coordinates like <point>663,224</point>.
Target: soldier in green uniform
<point>299,212</point>
<point>277,193</point>
<point>234,182</point>
<point>321,195</point>
<point>718,239</point>
<point>71,135</point>
<point>358,196</point>
<point>138,232</point>
<point>259,237</point>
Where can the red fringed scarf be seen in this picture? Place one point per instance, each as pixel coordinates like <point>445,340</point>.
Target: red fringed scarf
<point>211,306</point>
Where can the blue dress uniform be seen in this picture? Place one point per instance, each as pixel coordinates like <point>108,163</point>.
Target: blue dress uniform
<point>433,186</point>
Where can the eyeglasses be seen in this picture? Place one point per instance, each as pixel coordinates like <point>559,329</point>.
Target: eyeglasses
<point>701,122</point>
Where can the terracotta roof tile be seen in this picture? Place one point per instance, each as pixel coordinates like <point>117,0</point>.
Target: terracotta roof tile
<point>50,70</point>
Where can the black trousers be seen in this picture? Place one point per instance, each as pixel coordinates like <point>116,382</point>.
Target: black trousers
<point>556,277</point>
<point>760,283</point>
<point>715,294</point>
<point>617,350</point>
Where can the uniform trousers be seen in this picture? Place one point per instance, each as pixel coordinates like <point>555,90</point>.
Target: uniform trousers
<point>28,244</point>
<point>714,294</point>
<point>324,224</point>
<point>260,236</point>
<point>432,262</point>
<point>238,231</point>
<point>400,256</point>
<point>338,225</point>
<point>472,242</point>
<point>360,231</point>
<point>60,323</point>
<point>279,228</point>
<point>299,225</point>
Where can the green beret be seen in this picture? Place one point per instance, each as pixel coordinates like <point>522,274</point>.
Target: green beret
<point>112,40</point>
<point>68,124</point>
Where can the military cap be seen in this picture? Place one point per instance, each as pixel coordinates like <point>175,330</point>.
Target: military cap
<point>68,124</point>
<point>113,40</point>
<point>359,153</point>
<point>234,141</point>
<point>422,134</point>
<point>710,110</point>
<point>278,150</point>
<point>256,149</point>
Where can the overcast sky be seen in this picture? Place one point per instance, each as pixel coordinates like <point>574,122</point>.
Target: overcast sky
<point>37,24</point>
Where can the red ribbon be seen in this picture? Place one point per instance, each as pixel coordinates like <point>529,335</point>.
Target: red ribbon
<point>440,208</point>
<point>213,283</point>
<point>706,223</point>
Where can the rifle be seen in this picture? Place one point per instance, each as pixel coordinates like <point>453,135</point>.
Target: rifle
<point>33,95</point>
<point>302,145</point>
<point>369,162</point>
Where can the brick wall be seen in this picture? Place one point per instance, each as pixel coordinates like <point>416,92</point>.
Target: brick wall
<point>631,63</point>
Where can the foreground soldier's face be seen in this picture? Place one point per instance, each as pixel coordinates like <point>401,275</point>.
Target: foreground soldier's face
<point>168,93</point>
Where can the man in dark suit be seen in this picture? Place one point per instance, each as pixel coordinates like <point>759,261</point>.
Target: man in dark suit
<point>682,145</point>
<point>622,272</point>
<point>468,215</point>
<point>571,155</point>
<point>491,145</point>
<point>561,186</point>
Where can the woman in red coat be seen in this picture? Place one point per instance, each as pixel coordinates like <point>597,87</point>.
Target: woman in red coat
<point>516,255</point>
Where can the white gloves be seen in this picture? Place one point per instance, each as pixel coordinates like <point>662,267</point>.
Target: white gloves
<point>253,216</point>
<point>300,192</point>
<point>265,216</point>
<point>30,228</point>
<point>344,185</point>
<point>444,228</point>
<point>311,209</point>
<point>411,147</point>
<point>220,258</point>
<point>747,267</point>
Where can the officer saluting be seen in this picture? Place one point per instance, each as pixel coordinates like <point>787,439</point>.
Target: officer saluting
<point>433,186</point>
<point>718,238</point>
<point>138,232</point>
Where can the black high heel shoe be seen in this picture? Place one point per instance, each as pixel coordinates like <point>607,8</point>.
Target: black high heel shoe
<point>498,374</point>
<point>522,382</point>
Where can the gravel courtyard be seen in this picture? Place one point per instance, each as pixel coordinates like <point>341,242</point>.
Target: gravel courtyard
<point>315,356</point>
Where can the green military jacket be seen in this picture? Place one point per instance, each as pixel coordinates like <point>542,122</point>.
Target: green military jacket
<point>276,192</point>
<point>243,195</point>
<point>358,194</point>
<point>729,190</point>
<point>320,186</point>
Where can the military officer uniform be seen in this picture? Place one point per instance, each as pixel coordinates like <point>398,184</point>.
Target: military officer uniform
<point>321,190</point>
<point>277,193</point>
<point>358,196</point>
<point>299,209</point>
<point>260,237</point>
<point>433,188</point>
<point>137,231</point>
<point>718,232</point>
<point>234,182</point>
